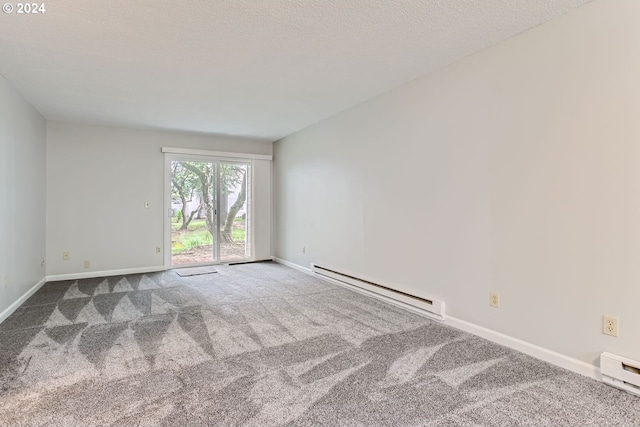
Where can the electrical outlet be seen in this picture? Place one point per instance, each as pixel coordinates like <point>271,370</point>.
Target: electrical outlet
<point>66,256</point>
<point>158,249</point>
<point>6,281</point>
<point>304,250</point>
<point>87,264</point>
<point>610,326</point>
<point>494,299</point>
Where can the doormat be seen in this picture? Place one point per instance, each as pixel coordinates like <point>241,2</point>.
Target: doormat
<point>195,271</point>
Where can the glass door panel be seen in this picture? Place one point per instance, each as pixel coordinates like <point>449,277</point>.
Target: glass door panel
<point>234,211</point>
<point>193,209</point>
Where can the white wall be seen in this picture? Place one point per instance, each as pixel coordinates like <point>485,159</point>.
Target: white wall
<point>98,179</point>
<point>22,195</point>
<point>515,170</point>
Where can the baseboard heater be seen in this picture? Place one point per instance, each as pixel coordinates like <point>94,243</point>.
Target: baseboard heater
<point>620,372</point>
<point>433,307</point>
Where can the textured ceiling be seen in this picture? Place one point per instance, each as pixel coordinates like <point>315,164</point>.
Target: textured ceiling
<point>241,67</point>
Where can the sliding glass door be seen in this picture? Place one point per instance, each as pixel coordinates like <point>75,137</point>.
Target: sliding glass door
<point>234,212</point>
<point>209,213</point>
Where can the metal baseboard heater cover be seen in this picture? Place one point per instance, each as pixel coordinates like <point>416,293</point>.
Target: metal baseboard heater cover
<point>434,307</point>
<point>620,372</point>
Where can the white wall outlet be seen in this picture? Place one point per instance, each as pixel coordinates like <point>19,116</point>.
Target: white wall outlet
<point>158,249</point>
<point>610,326</point>
<point>87,264</point>
<point>66,256</point>
<point>42,263</point>
<point>494,299</point>
<point>146,205</point>
<point>5,282</point>
<point>304,250</point>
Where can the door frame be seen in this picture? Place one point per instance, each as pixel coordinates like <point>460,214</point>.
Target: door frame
<point>171,157</point>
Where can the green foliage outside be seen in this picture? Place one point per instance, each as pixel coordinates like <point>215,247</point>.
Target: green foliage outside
<point>197,235</point>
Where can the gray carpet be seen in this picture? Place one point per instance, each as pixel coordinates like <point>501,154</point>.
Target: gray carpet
<point>265,345</point>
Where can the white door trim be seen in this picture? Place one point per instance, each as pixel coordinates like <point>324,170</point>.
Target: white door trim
<point>219,154</point>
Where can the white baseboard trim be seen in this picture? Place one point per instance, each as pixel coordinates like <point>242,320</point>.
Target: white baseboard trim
<point>566,362</point>
<point>17,303</point>
<point>105,273</point>
<point>292,265</point>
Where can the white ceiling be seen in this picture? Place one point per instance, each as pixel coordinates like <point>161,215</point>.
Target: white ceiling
<point>260,68</point>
